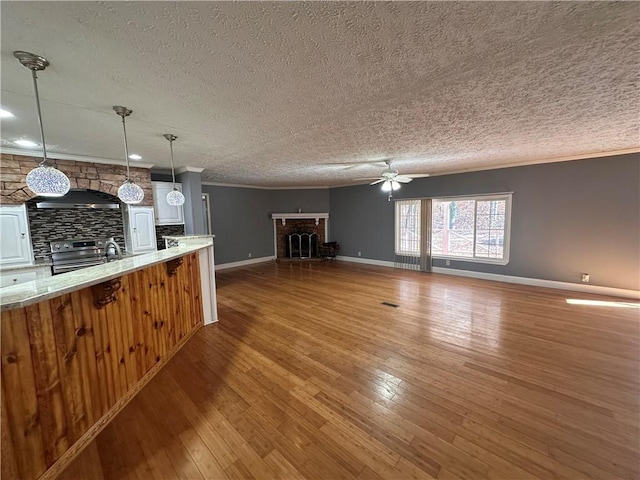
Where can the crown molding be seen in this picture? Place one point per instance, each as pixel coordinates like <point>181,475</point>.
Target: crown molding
<point>75,158</point>
<point>189,169</point>
<point>261,187</point>
<point>524,163</point>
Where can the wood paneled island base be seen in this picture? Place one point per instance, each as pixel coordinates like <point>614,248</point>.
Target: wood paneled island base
<point>71,363</point>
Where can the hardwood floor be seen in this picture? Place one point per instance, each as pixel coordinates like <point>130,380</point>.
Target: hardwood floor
<point>309,375</point>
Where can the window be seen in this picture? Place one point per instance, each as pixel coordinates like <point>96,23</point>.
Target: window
<point>408,227</point>
<point>472,228</point>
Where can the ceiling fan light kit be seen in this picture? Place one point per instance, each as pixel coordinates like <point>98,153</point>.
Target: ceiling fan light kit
<point>44,180</point>
<point>391,180</point>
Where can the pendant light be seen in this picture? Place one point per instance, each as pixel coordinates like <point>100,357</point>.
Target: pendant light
<point>175,197</point>
<point>44,180</point>
<point>129,192</point>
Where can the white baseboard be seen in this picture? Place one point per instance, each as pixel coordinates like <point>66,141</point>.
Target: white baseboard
<point>368,261</point>
<point>535,282</point>
<point>243,263</point>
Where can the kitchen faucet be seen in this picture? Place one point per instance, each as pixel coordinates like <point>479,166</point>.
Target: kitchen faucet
<point>116,247</point>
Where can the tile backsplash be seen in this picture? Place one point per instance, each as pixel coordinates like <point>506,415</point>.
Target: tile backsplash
<point>167,230</point>
<point>62,223</point>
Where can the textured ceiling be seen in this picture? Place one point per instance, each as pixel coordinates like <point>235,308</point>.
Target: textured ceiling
<point>263,93</point>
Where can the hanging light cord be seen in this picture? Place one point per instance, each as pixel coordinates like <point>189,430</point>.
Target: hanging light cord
<point>173,171</point>
<point>44,146</point>
<point>126,148</point>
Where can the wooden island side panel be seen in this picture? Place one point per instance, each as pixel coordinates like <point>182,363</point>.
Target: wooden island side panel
<point>68,366</point>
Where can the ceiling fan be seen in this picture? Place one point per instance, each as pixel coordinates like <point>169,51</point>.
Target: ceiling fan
<point>391,179</point>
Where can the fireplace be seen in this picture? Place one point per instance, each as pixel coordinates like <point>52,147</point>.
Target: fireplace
<point>299,236</point>
<point>302,245</point>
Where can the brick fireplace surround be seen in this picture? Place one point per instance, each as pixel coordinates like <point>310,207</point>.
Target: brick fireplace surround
<point>294,223</point>
<point>93,176</point>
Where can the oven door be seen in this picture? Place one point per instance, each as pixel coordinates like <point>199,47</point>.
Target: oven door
<point>70,266</point>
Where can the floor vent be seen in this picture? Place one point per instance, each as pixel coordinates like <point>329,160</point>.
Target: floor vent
<point>389,304</point>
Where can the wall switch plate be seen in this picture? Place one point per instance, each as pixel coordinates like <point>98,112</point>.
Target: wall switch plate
<point>447,262</point>
<point>359,254</point>
<point>249,254</point>
<point>585,277</point>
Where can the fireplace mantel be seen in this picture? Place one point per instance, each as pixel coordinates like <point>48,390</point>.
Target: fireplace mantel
<point>318,217</point>
<point>283,217</point>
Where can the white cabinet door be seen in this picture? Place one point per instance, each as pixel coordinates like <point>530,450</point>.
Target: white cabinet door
<point>142,229</point>
<point>15,241</point>
<point>166,214</point>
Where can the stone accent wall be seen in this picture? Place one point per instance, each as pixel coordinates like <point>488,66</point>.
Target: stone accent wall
<point>93,176</point>
<point>297,226</point>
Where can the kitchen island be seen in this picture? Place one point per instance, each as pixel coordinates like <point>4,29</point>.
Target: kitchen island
<point>77,347</point>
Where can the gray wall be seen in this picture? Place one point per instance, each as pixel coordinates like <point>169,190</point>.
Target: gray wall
<point>241,217</point>
<point>309,200</point>
<point>567,218</point>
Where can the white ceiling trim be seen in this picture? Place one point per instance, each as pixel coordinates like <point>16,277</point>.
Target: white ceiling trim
<point>189,169</point>
<point>585,156</point>
<point>625,151</point>
<point>262,187</point>
<point>75,158</point>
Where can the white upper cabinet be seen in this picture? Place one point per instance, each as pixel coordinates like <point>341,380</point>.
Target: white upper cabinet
<point>15,241</point>
<point>166,214</point>
<point>140,229</point>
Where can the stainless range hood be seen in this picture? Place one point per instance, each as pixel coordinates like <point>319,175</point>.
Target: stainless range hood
<point>80,199</point>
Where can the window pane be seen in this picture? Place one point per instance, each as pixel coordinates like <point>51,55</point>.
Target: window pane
<point>437,226</point>
<point>490,240</point>
<point>453,225</point>
<point>408,227</point>
<point>470,227</point>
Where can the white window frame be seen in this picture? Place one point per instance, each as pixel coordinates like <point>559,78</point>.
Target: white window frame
<point>507,228</point>
<point>397,250</point>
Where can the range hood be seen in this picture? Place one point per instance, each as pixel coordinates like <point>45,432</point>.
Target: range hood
<point>77,198</point>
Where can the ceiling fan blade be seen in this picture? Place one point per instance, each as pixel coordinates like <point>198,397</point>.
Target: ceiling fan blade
<point>378,181</point>
<point>418,175</point>
<point>367,179</point>
<point>402,179</point>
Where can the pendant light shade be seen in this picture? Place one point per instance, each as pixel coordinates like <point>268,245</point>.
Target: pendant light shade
<point>175,197</point>
<point>129,192</point>
<point>44,180</point>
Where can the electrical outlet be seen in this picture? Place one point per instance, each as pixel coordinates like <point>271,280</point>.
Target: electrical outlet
<point>585,277</point>
<point>359,254</point>
<point>249,254</point>
<point>447,262</point>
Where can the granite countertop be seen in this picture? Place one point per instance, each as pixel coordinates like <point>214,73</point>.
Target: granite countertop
<point>35,291</point>
<point>187,237</point>
<point>41,262</point>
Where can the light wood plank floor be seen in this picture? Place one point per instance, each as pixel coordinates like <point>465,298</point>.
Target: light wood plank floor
<point>308,375</point>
